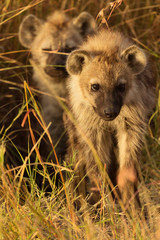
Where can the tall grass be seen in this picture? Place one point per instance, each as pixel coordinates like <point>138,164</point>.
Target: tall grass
<point>31,214</point>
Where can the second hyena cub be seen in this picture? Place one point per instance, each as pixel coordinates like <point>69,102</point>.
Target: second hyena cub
<point>50,42</point>
<point>111,94</point>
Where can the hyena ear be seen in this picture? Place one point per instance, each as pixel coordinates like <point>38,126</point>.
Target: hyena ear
<point>76,60</point>
<point>135,58</point>
<point>85,24</point>
<point>28,30</point>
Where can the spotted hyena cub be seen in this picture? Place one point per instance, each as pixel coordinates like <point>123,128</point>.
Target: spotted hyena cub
<point>50,42</point>
<point>111,95</point>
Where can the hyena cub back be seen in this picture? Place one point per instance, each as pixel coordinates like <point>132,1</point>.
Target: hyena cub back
<point>50,42</point>
<point>111,94</point>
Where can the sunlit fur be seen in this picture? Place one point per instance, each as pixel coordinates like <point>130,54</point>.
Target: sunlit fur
<point>108,59</point>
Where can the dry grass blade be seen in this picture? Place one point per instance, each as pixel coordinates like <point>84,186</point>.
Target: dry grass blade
<point>50,140</point>
<point>112,6</point>
<point>30,5</point>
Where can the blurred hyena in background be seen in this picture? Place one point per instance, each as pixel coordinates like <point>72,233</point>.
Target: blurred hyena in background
<point>50,42</point>
<point>111,96</point>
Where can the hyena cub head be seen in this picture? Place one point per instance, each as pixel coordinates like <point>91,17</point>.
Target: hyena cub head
<point>50,41</point>
<point>104,72</point>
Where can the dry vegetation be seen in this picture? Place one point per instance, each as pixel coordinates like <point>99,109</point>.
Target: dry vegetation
<point>30,214</point>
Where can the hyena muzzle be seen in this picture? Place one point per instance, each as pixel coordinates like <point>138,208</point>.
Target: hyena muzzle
<point>111,95</point>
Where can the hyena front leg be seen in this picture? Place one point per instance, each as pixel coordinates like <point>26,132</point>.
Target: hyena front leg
<point>87,180</point>
<point>129,143</point>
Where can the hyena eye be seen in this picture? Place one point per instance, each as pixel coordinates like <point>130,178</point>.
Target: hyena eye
<point>95,87</point>
<point>121,87</point>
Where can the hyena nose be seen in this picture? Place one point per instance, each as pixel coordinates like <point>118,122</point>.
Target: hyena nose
<point>108,114</point>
